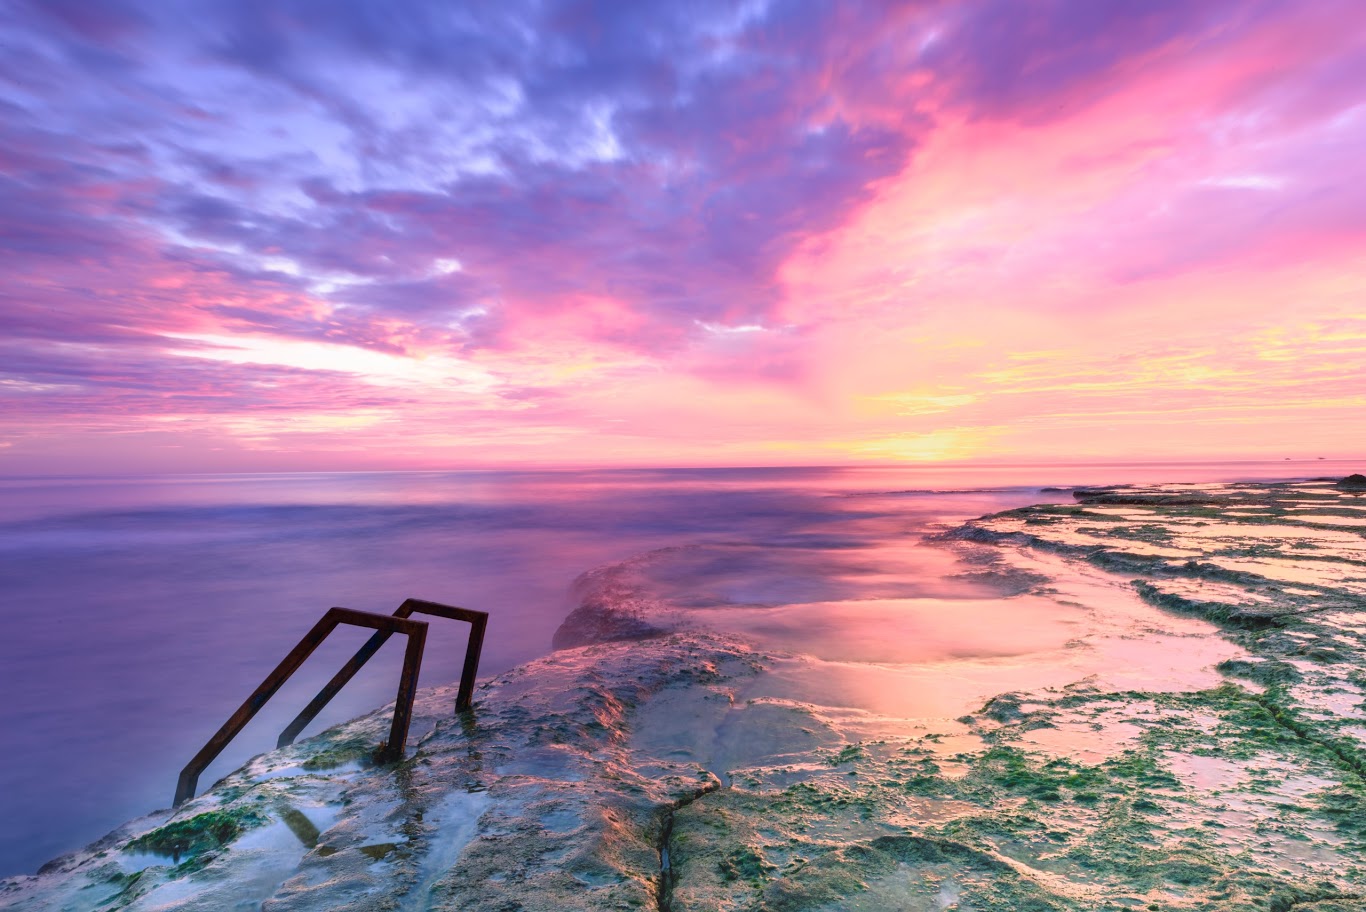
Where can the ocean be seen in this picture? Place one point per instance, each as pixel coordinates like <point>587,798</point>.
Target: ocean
<point>138,612</point>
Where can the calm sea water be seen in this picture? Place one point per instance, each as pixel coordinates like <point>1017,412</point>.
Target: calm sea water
<point>139,612</point>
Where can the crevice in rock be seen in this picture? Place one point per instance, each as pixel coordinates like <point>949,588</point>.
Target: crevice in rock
<point>1348,759</point>
<point>664,886</point>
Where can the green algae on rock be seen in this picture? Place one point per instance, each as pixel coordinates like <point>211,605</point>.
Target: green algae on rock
<point>210,830</point>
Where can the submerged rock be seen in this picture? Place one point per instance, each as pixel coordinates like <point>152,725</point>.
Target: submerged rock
<point>611,607</point>
<point>1130,497</point>
<point>595,622</point>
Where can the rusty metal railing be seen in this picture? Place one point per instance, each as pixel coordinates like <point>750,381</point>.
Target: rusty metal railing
<point>477,620</point>
<point>384,626</point>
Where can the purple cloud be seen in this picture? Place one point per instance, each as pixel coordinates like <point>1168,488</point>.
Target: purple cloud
<point>445,176</point>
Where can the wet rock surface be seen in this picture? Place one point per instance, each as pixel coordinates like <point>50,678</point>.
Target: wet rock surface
<point>534,800</point>
<point>609,608</point>
<point>686,771</point>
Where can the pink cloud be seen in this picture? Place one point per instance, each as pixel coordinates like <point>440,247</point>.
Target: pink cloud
<point>945,230</point>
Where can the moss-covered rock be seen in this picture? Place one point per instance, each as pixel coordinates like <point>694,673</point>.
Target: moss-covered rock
<point>203,832</point>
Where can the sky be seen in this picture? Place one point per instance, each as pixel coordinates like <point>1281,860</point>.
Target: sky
<point>265,235</point>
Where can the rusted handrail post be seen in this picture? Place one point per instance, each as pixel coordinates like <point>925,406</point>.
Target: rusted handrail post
<point>416,631</point>
<point>478,621</point>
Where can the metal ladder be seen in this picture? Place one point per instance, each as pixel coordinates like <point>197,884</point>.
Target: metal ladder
<point>385,626</point>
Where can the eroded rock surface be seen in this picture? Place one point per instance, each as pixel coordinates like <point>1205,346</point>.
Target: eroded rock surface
<point>703,771</point>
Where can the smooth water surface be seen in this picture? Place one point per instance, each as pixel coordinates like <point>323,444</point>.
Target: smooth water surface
<point>139,612</point>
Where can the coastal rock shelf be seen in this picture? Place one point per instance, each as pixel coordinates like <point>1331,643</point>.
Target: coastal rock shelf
<point>695,770</point>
